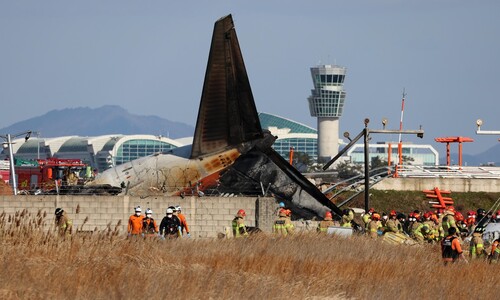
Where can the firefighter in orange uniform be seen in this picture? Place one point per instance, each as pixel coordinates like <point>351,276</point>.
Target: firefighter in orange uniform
<point>135,222</point>
<point>182,219</point>
<point>149,226</point>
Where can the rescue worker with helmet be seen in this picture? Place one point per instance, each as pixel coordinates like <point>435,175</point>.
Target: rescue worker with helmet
<point>439,223</point>
<point>238,224</point>
<point>393,225</point>
<point>451,249</point>
<point>449,220</point>
<point>281,206</point>
<point>481,218</point>
<point>496,217</point>
<point>413,223</point>
<point>384,220</point>
<point>471,220</point>
<point>374,226</point>
<point>476,249</point>
<point>149,226</point>
<point>64,224</point>
<point>327,222</point>
<point>404,223</point>
<point>135,222</point>
<point>367,217</point>
<point>347,217</point>
<point>460,222</point>
<point>433,234</point>
<point>182,219</point>
<point>283,225</point>
<point>170,225</point>
<point>421,233</point>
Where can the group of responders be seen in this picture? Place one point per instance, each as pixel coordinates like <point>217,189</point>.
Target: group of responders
<point>173,225</point>
<point>446,227</point>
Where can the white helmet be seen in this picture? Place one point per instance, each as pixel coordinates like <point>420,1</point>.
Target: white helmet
<point>178,207</point>
<point>170,211</point>
<point>138,209</point>
<point>149,211</point>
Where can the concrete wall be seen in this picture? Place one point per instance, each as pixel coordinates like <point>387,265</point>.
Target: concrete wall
<point>206,216</point>
<point>459,185</point>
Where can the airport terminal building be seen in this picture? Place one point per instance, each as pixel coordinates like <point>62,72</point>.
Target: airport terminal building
<point>291,134</point>
<point>106,151</point>
<point>101,152</point>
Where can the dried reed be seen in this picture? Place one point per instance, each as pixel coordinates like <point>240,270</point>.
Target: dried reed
<point>39,264</point>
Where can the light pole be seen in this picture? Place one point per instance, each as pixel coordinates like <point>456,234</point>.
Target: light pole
<point>366,134</point>
<point>8,138</point>
<point>479,122</point>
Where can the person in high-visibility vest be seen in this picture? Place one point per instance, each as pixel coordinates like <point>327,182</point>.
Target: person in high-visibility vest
<point>63,223</point>
<point>367,217</point>
<point>421,233</point>
<point>393,225</point>
<point>327,222</point>
<point>433,234</point>
<point>449,220</point>
<point>238,224</point>
<point>347,217</point>
<point>374,226</point>
<point>476,249</point>
<point>283,226</point>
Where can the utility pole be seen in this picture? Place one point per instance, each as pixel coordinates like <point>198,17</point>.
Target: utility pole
<point>8,138</point>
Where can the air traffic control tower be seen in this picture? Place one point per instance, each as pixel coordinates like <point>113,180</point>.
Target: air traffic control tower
<point>326,103</point>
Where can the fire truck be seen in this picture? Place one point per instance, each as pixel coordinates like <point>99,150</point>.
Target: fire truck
<point>4,170</point>
<point>49,174</point>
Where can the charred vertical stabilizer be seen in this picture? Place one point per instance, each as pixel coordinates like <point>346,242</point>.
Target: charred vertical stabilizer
<point>227,115</point>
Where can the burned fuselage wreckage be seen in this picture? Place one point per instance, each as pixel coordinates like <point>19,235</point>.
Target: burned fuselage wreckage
<point>230,151</point>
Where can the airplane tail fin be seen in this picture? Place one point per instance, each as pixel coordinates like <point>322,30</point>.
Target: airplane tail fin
<point>227,115</point>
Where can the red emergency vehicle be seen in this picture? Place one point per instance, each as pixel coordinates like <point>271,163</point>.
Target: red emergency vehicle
<point>4,170</point>
<point>44,174</point>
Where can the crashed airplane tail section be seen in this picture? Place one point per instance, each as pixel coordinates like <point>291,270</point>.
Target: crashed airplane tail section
<point>227,115</point>
<point>230,150</point>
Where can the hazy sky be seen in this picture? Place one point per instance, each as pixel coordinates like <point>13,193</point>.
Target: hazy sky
<point>150,58</point>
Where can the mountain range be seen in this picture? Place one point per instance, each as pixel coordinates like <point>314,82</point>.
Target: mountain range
<point>112,119</point>
<point>108,119</point>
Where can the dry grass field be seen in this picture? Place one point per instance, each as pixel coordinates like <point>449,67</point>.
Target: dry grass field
<point>38,264</point>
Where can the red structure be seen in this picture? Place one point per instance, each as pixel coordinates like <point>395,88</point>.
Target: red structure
<point>443,202</point>
<point>43,173</point>
<point>454,139</point>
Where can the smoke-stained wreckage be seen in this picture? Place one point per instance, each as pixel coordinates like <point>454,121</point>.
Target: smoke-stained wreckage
<point>230,151</point>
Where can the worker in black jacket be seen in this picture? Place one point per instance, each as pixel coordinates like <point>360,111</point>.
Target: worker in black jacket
<point>170,225</point>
